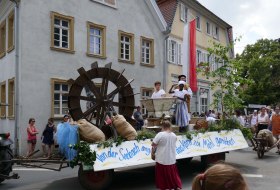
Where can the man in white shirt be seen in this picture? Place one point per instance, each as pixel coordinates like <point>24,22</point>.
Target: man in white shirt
<point>158,93</point>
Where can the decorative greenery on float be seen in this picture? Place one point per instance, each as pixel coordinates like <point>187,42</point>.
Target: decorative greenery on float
<point>87,157</point>
<point>84,155</point>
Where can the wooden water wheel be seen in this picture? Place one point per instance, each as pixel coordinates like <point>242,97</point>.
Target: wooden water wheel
<point>102,90</point>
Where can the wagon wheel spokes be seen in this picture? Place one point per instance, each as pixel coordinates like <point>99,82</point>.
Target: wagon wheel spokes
<point>100,115</point>
<point>119,104</point>
<point>105,81</point>
<point>87,98</point>
<point>91,110</point>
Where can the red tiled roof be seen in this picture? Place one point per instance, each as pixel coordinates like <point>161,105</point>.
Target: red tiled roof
<point>168,10</point>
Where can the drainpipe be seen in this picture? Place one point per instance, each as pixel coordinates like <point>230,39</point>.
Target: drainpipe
<point>16,128</point>
<point>165,54</point>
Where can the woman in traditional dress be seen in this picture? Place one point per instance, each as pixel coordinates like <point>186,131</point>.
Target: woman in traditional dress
<point>164,145</point>
<point>181,111</point>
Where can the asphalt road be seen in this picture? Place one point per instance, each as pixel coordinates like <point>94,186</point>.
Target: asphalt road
<point>261,174</point>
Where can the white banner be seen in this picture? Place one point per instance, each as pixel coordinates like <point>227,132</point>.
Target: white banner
<point>132,153</point>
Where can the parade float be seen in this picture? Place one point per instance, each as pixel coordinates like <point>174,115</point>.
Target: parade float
<point>101,102</point>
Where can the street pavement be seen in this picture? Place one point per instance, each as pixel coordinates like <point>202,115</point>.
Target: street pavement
<point>261,174</point>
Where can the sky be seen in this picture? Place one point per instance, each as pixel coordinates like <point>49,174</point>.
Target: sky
<point>250,19</point>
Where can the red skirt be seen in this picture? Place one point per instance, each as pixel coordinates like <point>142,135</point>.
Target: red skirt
<point>167,177</point>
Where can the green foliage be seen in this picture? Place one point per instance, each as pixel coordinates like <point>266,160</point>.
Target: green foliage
<point>84,155</point>
<point>223,125</point>
<point>226,78</point>
<point>106,144</point>
<point>260,63</point>
<point>145,134</point>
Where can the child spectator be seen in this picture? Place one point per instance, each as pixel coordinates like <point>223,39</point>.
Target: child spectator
<point>220,177</point>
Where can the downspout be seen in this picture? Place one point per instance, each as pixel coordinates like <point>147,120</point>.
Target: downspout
<point>16,128</point>
<point>165,54</point>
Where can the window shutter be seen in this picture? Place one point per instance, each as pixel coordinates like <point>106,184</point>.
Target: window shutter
<point>179,54</point>
<point>168,50</point>
<point>182,12</point>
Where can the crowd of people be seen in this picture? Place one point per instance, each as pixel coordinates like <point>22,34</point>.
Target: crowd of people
<point>47,138</point>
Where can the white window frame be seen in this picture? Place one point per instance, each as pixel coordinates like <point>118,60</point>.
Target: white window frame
<point>145,89</point>
<point>208,26</point>
<point>123,44</point>
<point>61,29</point>
<point>95,47</point>
<point>216,32</point>
<point>61,93</point>
<point>183,12</point>
<point>198,21</point>
<point>174,54</point>
<point>198,56</point>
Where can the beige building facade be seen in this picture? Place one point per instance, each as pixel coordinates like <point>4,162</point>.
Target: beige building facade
<point>209,29</point>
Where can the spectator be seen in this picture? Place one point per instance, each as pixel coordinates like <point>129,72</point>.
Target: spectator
<point>220,177</point>
<point>208,113</point>
<point>239,118</point>
<point>65,118</point>
<point>263,120</point>
<point>31,136</point>
<point>275,121</point>
<point>269,112</point>
<point>48,138</point>
<point>139,118</point>
<point>167,176</point>
<point>212,114</point>
<point>158,93</point>
<point>254,119</point>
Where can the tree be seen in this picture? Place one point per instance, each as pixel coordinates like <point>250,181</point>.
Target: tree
<point>227,77</point>
<point>260,63</point>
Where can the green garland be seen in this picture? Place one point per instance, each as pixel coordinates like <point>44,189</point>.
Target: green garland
<point>84,154</point>
<point>223,125</point>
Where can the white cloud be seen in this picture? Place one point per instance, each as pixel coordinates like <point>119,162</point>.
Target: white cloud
<point>251,19</point>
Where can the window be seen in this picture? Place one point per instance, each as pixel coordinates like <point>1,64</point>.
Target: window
<point>3,39</point>
<point>11,98</point>
<point>146,93</point>
<point>198,22</point>
<point>11,32</point>
<point>147,51</point>
<point>183,13</point>
<point>59,98</point>
<point>203,100</point>
<point>126,47</point>
<point>216,32</point>
<point>174,54</point>
<point>3,99</point>
<point>111,3</point>
<point>96,40</point>
<point>208,28</point>
<point>198,57</point>
<point>62,32</point>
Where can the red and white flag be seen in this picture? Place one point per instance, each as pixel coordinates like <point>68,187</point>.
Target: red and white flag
<point>189,54</point>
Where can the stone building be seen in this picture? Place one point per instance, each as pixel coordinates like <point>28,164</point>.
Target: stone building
<point>209,28</point>
<point>44,42</point>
